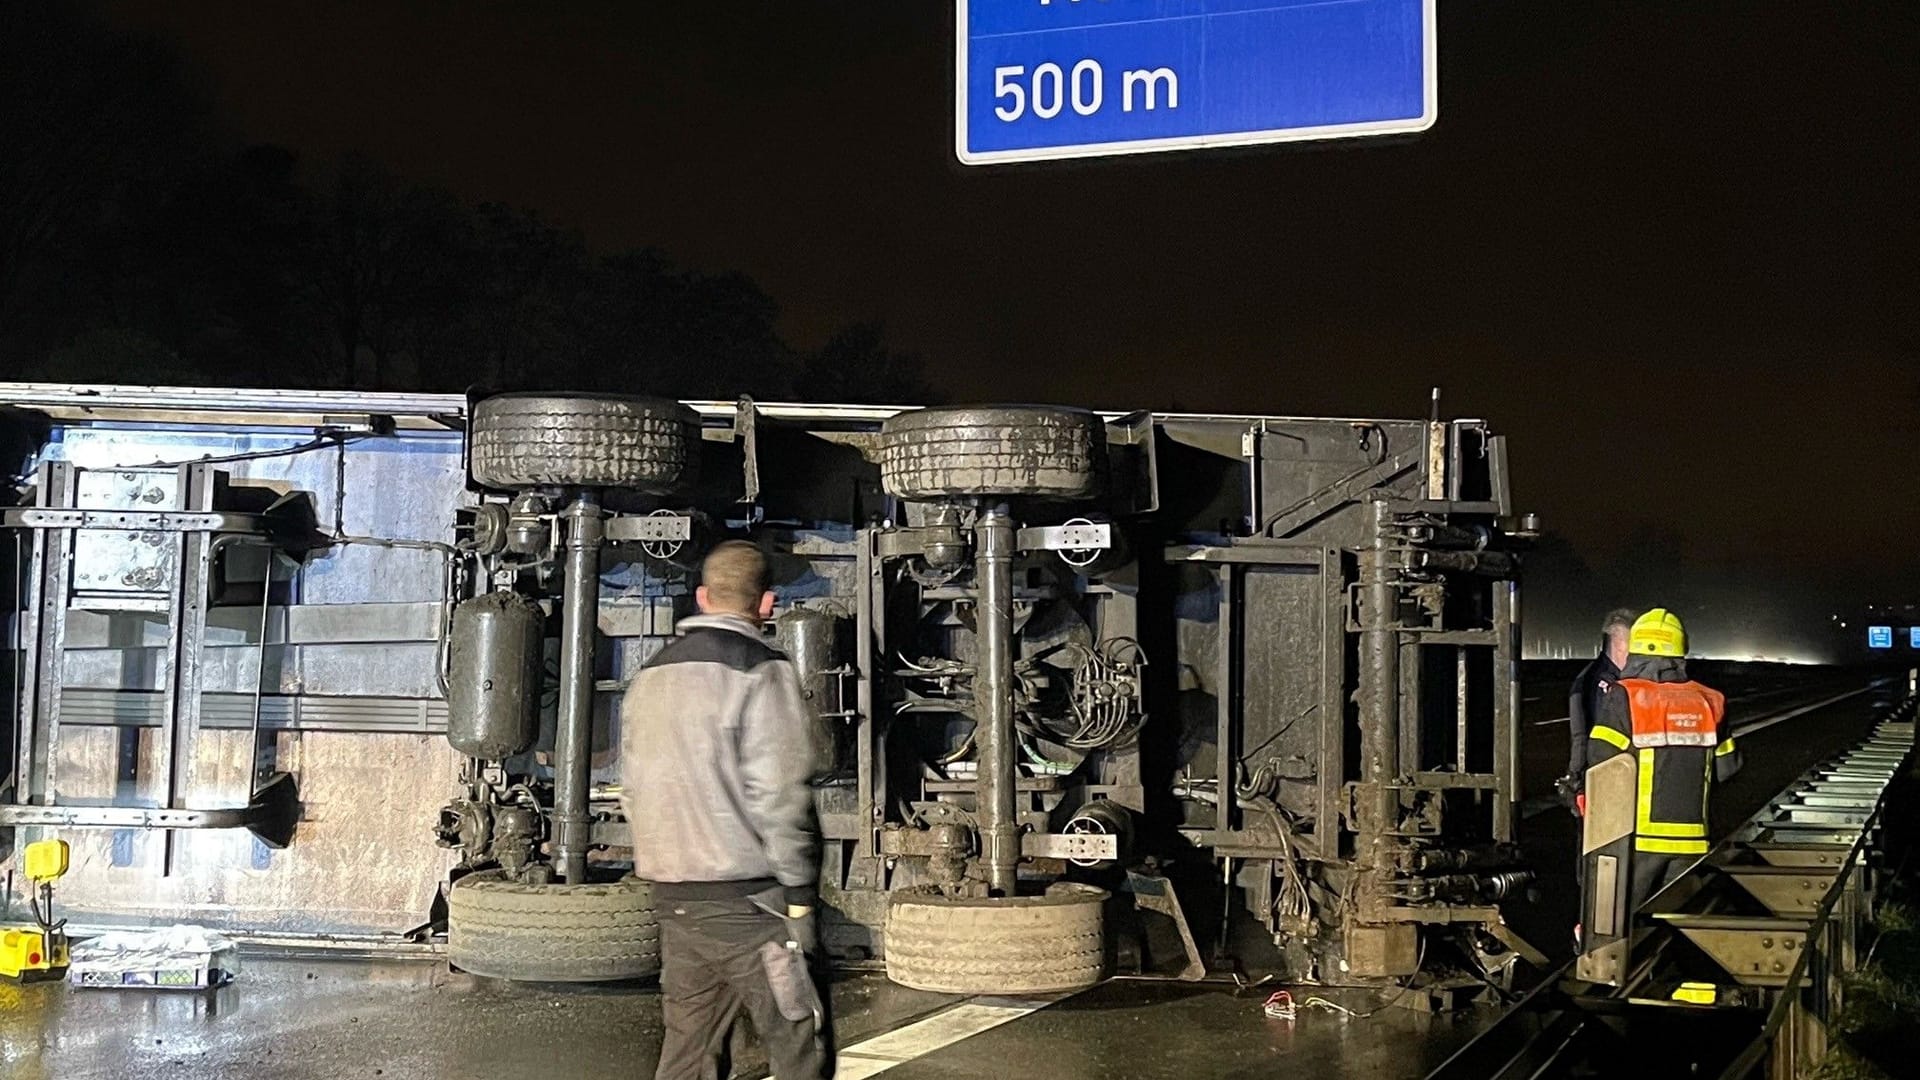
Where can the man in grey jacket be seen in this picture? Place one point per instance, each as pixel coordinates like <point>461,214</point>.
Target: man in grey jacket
<point>715,755</point>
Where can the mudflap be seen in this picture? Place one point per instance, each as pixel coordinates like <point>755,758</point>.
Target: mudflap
<point>1153,893</point>
<point>1606,848</point>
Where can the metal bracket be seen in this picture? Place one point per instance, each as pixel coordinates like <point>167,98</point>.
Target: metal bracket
<point>897,841</point>
<point>271,815</point>
<point>1075,537</point>
<point>649,528</point>
<point>1751,956</point>
<point>1156,894</point>
<point>904,540</point>
<point>131,521</point>
<point>1602,964</point>
<point>1806,856</point>
<point>1090,847</point>
<point>1131,437</point>
<point>1785,891</point>
<point>1289,519</point>
<point>1521,946</point>
<point>746,429</point>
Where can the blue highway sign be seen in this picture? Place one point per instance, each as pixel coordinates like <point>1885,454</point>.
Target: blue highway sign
<point>1042,79</point>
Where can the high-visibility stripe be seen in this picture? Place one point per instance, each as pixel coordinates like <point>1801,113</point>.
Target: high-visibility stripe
<point>1724,748</point>
<point>1701,739</point>
<point>1672,830</point>
<point>1662,837</point>
<point>1653,845</point>
<point>1610,737</point>
<point>1643,807</point>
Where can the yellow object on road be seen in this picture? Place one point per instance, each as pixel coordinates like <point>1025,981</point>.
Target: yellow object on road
<point>1697,993</point>
<point>38,951</point>
<point>32,953</point>
<point>46,860</point>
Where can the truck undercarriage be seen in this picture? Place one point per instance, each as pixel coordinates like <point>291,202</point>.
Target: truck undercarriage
<point>334,664</point>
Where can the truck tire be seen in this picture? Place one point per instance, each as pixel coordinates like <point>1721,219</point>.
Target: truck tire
<point>1001,450</point>
<point>552,933</point>
<point>583,440</point>
<point>1011,945</point>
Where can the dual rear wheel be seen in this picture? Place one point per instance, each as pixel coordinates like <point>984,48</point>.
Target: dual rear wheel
<point>599,932</point>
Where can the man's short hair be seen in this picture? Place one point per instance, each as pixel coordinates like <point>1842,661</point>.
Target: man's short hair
<point>1619,619</point>
<point>735,575</point>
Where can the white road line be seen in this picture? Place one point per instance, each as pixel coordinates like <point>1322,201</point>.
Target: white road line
<point>871,1057</point>
<point>1765,721</point>
<point>1762,725</point>
<point>876,1055</point>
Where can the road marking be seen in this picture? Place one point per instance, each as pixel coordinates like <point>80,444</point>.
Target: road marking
<point>1763,724</point>
<point>1765,721</point>
<point>870,1057</point>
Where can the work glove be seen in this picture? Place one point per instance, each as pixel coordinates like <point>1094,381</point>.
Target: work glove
<point>1571,797</point>
<point>803,928</point>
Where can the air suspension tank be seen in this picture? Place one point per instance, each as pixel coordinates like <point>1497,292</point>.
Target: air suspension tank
<point>811,639</point>
<point>493,682</point>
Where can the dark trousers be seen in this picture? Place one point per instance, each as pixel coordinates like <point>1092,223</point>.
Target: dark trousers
<point>1651,873</point>
<point>720,958</point>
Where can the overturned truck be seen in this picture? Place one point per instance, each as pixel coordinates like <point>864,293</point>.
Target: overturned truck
<point>347,666</point>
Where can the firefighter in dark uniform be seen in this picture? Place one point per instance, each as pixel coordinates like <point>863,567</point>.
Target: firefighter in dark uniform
<point>1583,703</point>
<point>1678,730</point>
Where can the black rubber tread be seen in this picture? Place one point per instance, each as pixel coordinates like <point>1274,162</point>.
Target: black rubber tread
<point>552,933</point>
<point>585,440</point>
<point>1018,945</point>
<point>992,450</point>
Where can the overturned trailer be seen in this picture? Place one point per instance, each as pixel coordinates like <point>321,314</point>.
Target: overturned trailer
<point>347,664</point>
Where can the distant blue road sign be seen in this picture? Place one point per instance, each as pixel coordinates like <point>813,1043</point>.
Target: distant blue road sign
<point>1913,637</point>
<point>1879,637</point>
<point>1040,79</point>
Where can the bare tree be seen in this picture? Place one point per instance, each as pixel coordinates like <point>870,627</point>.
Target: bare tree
<point>856,365</point>
<point>385,258</point>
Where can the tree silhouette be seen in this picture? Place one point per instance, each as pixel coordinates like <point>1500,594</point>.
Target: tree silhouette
<point>528,286</point>
<point>384,262</point>
<point>135,249</point>
<point>855,365</point>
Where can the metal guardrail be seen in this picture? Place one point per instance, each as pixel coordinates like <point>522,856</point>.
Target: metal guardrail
<point>1737,969</point>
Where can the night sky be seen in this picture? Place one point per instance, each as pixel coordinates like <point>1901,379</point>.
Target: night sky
<point>1671,249</point>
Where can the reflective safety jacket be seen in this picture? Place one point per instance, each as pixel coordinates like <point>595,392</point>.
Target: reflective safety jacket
<point>1678,730</point>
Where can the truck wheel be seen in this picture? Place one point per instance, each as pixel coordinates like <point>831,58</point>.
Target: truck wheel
<point>552,933</point>
<point>1003,450</point>
<point>585,440</point>
<point>1011,945</point>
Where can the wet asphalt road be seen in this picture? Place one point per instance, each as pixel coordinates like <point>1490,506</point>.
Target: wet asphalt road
<point>409,1020</point>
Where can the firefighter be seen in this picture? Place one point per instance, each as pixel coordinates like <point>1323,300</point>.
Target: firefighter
<point>715,754</point>
<point>1677,729</point>
<point>1583,702</point>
